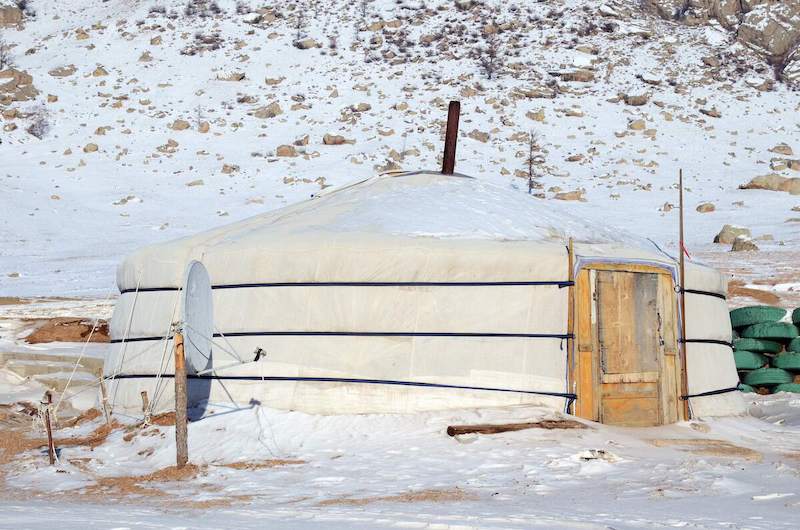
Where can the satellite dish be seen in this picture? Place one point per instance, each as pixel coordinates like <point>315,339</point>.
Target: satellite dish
<point>198,318</point>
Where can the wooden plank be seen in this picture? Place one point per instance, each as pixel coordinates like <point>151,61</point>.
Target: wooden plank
<point>586,404</point>
<point>667,309</point>
<point>627,267</point>
<point>616,323</point>
<point>455,430</point>
<point>669,389</point>
<point>584,311</point>
<point>631,404</point>
<point>636,377</point>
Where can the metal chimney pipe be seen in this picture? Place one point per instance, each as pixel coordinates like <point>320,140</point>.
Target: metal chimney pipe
<point>451,138</point>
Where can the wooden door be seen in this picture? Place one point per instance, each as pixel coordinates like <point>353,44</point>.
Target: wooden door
<point>630,347</point>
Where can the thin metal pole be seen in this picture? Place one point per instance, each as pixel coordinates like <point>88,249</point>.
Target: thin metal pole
<point>181,405</point>
<point>451,138</point>
<point>682,250</point>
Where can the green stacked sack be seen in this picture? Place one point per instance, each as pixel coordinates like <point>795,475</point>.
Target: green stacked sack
<point>766,350</point>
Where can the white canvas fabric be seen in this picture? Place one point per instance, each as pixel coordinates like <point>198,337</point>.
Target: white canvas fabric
<point>355,348</point>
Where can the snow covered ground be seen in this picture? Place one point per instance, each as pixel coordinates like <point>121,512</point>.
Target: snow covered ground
<point>258,467</point>
<point>116,75</point>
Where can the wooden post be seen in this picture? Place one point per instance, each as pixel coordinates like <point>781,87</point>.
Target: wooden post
<point>104,402</point>
<point>145,407</point>
<point>47,400</point>
<point>571,322</point>
<point>682,250</point>
<point>451,138</point>
<point>181,405</point>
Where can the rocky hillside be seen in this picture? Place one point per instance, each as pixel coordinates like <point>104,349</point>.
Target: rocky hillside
<point>126,122</point>
<point>770,27</point>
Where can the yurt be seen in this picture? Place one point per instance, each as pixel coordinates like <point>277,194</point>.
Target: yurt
<point>423,291</point>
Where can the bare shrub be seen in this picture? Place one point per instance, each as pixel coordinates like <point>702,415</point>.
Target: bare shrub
<point>532,159</point>
<point>6,59</point>
<point>242,8</point>
<point>489,56</point>
<point>201,8</point>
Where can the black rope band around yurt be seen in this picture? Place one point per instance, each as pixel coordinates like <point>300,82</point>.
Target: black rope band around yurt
<point>558,283</point>
<point>560,336</point>
<point>711,393</point>
<point>706,341</point>
<point>565,395</point>
<point>703,293</point>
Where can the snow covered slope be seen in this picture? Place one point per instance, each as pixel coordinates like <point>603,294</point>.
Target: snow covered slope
<point>168,117</point>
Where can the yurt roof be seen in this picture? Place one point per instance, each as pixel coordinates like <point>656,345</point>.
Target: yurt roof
<point>421,206</point>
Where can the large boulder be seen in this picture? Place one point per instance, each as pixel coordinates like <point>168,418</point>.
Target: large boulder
<point>16,85</point>
<point>774,182</point>
<point>10,16</point>
<point>729,233</point>
<point>772,28</point>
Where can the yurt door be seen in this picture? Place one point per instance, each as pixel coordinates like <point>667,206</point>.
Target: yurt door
<point>630,347</point>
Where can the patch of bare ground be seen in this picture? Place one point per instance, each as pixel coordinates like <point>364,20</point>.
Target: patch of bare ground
<point>67,329</point>
<point>13,300</point>
<point>430,495</point>
<point>210,504</point>
<point>142,485</point>
<point>15,422</point>
<point>767,268</point>
<point>709,447</point>
<point>264,464</point>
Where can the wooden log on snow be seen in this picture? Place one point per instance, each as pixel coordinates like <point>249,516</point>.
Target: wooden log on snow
<point>455,430</point>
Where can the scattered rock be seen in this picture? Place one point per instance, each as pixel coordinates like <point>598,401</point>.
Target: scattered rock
<point>286,150</point>
<point>782,149</point>
<point>63,71</point>
<point>306,44</point>
<point>197,182</point>
<point>228,169</point>
<point>576,195</point>
<point>169,148</point>
<point>10,16</point>
<point>361,107</point>
<point>636,100</point>
<point>90,148</point>
<point>233,76</point>
<point>580,76</point>
<point>637,125</point>
<point>99,72</point>
<point>270,111</point>
<point>743,243</point>
<point>712,112</point>
<point>16,85</point>
<point>203,127</point>
<point>774,182</point>
<point>535,116</point>
<point>179,125</point>
<point>729,233</point>
<point>335,139</point>
<point>706,207</point>
<point>480,136</point>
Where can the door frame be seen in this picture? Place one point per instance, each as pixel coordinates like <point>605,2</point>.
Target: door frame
<point>585,372</point>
